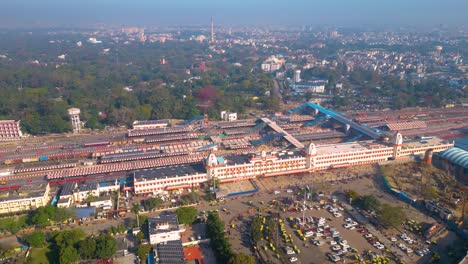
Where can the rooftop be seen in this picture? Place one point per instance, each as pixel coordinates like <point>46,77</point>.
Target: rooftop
<point>169,172</point>
<point>163,223</point>
<point>456,155</point>
<point>150,122</point>
<point>346,147</point>
<point>170,252</point>
<point>26,191</point>
<point>423,142</point>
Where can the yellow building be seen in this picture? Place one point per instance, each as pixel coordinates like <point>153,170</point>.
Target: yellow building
<point>25,199</point>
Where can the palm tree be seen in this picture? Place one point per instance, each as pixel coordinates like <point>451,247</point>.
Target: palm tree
<point>136,210</point>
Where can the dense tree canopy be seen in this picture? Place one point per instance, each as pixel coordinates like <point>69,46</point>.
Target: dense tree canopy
<point>186,214</point>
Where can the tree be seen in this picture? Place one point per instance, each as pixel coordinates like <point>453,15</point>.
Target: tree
<point>255,229</point>
<point>36,239</point>
<point>152,203</point>
<point>241,258</point>
<point>106,246</point>
<point>352,195</point>
<point>369,202</point>
<point>186,214</point>
<point>62,214</point>
<point>140,236</point>
<point>136,208</point>
<point>142,252</point>
<point>391,215</point>
<point>87,248</point>
<point>69,238</point>
<point>217,235</point>
<point>68,255</point>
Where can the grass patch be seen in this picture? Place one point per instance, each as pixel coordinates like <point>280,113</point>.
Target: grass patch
<point>38,256</point>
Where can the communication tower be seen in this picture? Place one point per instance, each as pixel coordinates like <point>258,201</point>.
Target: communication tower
<point>212,31</point>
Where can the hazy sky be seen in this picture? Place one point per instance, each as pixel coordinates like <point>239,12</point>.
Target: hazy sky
<point>39,13</point>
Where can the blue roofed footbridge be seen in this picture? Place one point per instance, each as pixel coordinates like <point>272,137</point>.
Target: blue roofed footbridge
<point>340,118</point>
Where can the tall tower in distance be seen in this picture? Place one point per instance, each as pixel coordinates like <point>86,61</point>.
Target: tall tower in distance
<point>74,114</point>
<point>212,31</point>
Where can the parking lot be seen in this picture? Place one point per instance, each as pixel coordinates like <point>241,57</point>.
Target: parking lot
<point>242,210</point>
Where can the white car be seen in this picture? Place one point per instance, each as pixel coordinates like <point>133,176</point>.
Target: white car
<point>336,248</point>
<point>354,223</point>
<point>409,250</point>
<point>352,228</point>
<point>289,191</point>
<point>332,243</point>
<point>348,220</point>
<point>337,214</point>
<point>402,246</point>
<point>347,226</point>
<point>293,259</point>
<point>378,245</point>
<point>343,242</point>
<point>393,239</point>
<point>368,235</point>
<point>333,257</point>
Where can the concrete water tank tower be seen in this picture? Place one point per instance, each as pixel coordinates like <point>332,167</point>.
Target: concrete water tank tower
<point>74,114</point>
<point>297,76</point>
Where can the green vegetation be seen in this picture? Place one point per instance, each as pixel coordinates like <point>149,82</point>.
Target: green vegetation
<point>241,258</point>
<point>37,239</point>
<point>191,197</point>
<point>143,251</point>
<point>391,215</point>
<point>42,217</point>
<point>369,202</point>
<point>69,246</point>
<point>219,240</point>
<point>120,229</point>
<point>87,248</point>
<point>38,256</point>
<point>106,246</point>
<point>186,214</point>
<point>40,95</point>
<point>13,224</point>
<point>152,203</point>
<point>256,229</point>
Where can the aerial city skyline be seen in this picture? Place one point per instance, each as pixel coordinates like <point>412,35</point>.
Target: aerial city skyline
<point>238,132</point>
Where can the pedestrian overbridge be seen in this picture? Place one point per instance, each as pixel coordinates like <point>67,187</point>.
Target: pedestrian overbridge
<point>368,131</point>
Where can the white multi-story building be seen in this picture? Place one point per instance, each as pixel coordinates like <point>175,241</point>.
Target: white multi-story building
<point>312,158</point>
<point>164,228</point>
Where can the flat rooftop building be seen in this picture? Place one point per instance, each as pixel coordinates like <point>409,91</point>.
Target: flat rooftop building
<point>27,198</point>
<point>164,228</point>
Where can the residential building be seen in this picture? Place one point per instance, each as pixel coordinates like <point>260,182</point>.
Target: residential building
<point>164,228</point>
